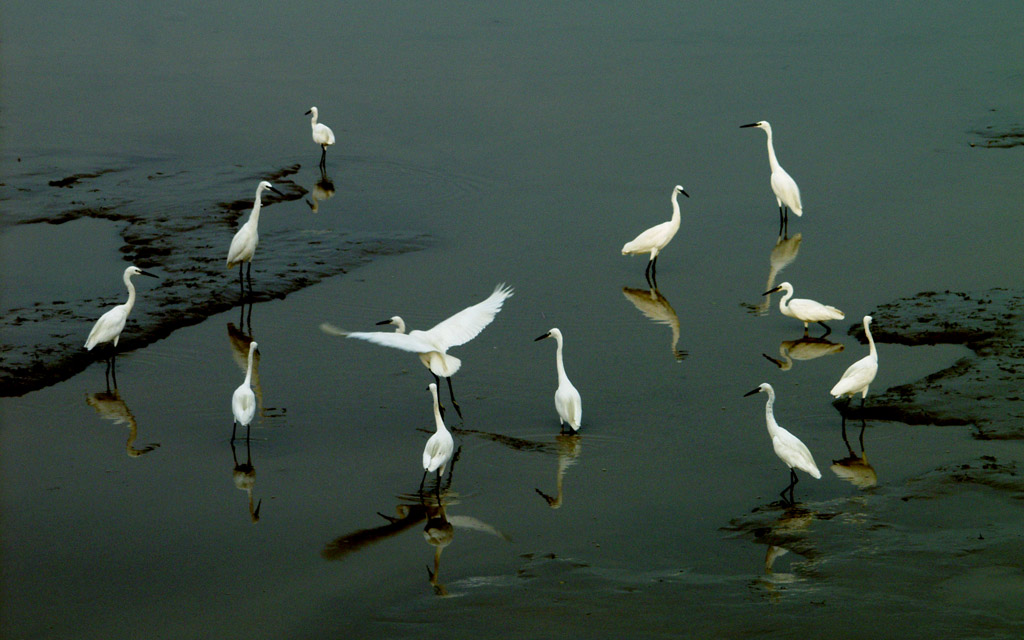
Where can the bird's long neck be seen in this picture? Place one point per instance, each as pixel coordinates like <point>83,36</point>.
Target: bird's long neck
<point>676,217</point>
<point>871,342</point>
<point>131,293</point>
<point>399,325</point>
<point>312,120</point>
<point>438,420</point>
<point>257,204</point>
<point>772,160</point>
<point>769,415</point>
<point>248,370</point>
<point>784,300</point>
<point>558,360</point>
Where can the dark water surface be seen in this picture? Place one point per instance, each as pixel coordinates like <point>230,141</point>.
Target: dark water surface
<point>477,144</point>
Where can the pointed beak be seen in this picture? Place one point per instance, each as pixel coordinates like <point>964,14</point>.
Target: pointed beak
<point>772,291</point>
<point>777,363</point>
<point>542,337</point>
<point>277,192</point>
<point>683,191</point>
<point>309,112</point>
<point>388,321</point>
<point>744,126</point>
<point>752,392</point>
<point>151,275</point>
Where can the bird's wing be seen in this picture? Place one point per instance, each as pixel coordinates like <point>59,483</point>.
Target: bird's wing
<point>814,311</point>
<point>468,323</point>
<point>406,342</point>
<point>794,452</point>
<point>856,376</point>
<point>243,404</point>
<point>109,325</point>
<point>239,244</point>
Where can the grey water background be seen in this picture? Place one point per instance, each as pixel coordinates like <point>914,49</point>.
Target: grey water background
<point>518,143</point>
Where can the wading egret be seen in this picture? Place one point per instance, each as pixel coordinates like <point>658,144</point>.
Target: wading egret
<point>859,375</point>
<point>787,194</point>
<point>788,447</point>
<point>243,245</point>
<point>322,135</point>
<point>438,451</point>
<point>243,400</point>
<point>108,328</point>
<point>568,403</point>
<point>654,239</point>
<point>805,310</point>
<point>432,345</point>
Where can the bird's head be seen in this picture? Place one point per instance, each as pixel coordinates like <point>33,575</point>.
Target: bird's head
<point>760,124</point>
<point>312,111</point>
<point>679,189</point>
<point>763,387</point>
<point>553,333</point>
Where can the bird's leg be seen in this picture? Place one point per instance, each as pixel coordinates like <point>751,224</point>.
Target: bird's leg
<point>323,158</point>
<point>654,272</point>
<point>241,283</point>
<point>845,441</point>
<point>248,273</point>
<point>248,318</point>
<point>451,393</point>
<point>234,424</point>
<point>863,426</point>
<point>113,366</point>
<point>451,468</point>
<point>647,274</point>
<point>828,329</point>
<point>792,483</point>
<point>423,480</point>
<point>782,220</point>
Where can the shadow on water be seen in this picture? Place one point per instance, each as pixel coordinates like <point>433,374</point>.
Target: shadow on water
<point>782,255</point>
<point>110,406</point>
<point>657,308</point>
<point>805,348</point>
<point>243,475</point>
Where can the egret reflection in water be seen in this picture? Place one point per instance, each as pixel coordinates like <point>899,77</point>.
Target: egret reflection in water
<point>568,447</point>
<point>806,348</point>
<point>855,468</point>
<point>322,190</point>
<point>438,530</point>
<point>110,406</point>
<point>782,255</point>
<point>244,477</point>
<point>784,530</point>
<point>656,307</point>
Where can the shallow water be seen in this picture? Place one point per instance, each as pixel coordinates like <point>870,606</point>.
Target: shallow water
<point>520,145</point>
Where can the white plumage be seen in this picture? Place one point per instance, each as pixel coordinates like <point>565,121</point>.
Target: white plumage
<point>859,375</point>
<point>243,400</point>
<point>322,135</point>
<point>655,239</point>
<point>788,447</point>
<point>243,245</point>
<point>432,345</point>
<point>783,185</point>
<point>803,309</point>
<point>568,403</point>
<point>110,325</point>
<point>438,450</point>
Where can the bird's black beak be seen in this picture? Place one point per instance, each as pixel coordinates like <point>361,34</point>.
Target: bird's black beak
<point>542,337</point>
<point>683,191</point>
<point>752,392</point>
<point>744,126</point>
<point>146,273</point>
<point>388,321</point>
<point>309,112</point>
<point>772,291</point>
<point>277,192</point>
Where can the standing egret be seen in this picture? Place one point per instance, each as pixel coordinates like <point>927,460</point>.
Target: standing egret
<point>568,403</point>
<point>656,238</point>
<point>805,310</point>
<point>243,245</point>
<point>438,450</point>
<point>788,447</point>
<point>322,135</point>
<point>432,345</point>
<point>108,328</point>
<point>243,400</point>
<point>859,375</point>
<point>786,192</point>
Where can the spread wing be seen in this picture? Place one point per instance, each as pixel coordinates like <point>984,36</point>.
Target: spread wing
<point>468,323</point>
<point>405,342</point>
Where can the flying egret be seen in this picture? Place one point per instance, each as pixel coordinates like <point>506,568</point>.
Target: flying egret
<point>859,375</point>
<point>788,447</point>
<point>805,310</point>
<point>787,194</point>
<point>243,245</point>
<point>432,345</point>
<point>438,450</point>
<point>108,328</point>
<point>568,403</point>
<point>656,238</point>
<point>243,400</point>
<point>322,135</point>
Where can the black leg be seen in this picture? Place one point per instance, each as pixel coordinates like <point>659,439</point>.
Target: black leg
<point>451,393</point>
<point>863,426</point>
<point>654,272</point>
<point>113,366</point>
<point>323,158</point>
<point>828,329</point>
<point>782,220</point>
<point>423,480</point>
<point>248,273</point>
<point>647,274</point>
<point>241,283</point>
<point>233,425</point>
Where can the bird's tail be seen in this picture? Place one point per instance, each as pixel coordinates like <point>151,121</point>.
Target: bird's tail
<point>332,330</point>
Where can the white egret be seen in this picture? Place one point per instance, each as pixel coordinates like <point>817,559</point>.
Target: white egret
<point>805,310</point>
<point>243,245</point>
<point>788,447</point>
<point>859,375</point>
<point>432,345</point>
<point>656,238</point>
<point>110,325</point>
<point>787,194</point>
<point>243,400</point>
<point>322,135</point>
<point>439,448</point>
<point>568,403</point>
